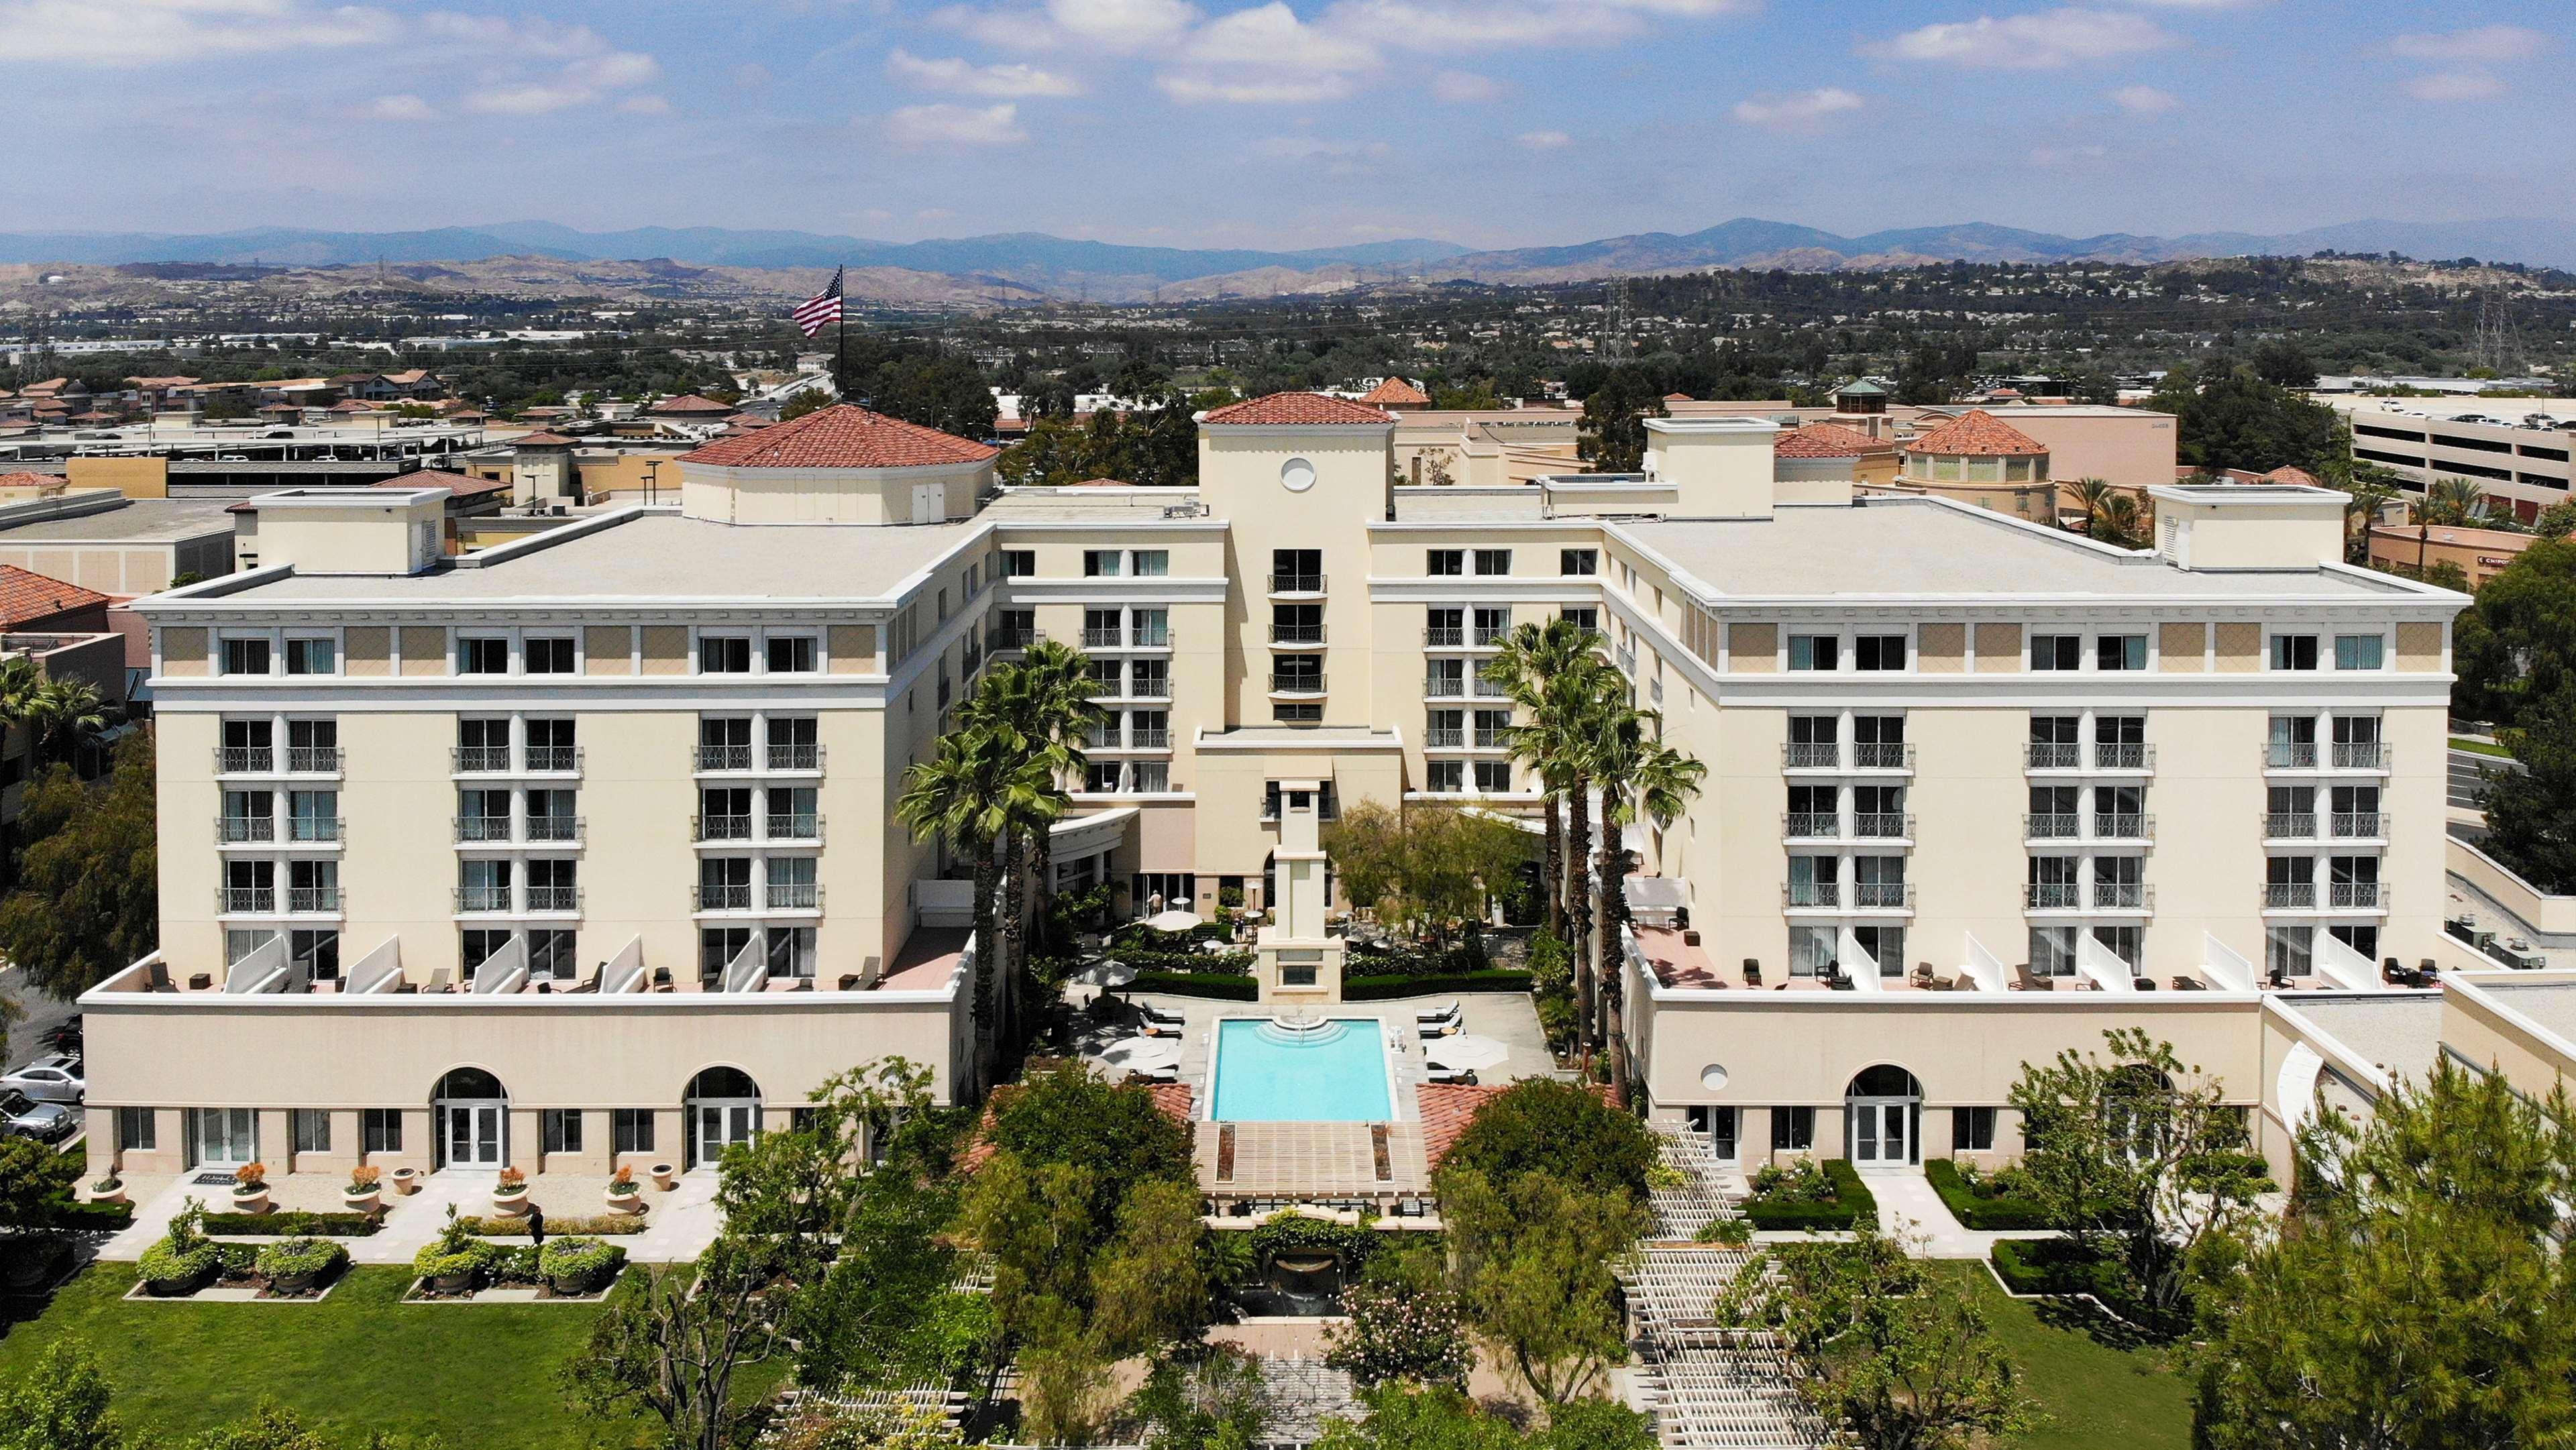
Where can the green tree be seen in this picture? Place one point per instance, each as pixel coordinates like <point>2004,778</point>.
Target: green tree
<point>2136,1152</point>
<point>1211,1397</point>
<point>946,393</point>
<point>1537,1263</point>
<point>1038,710</point>
<point>2452,503</point>
<point>2416,1295</point>
<point>960,797</point>
<point>1401,1330</point>
<point>2285,364</point>
<point>86,902</point>
<point>1642,779</point>
<point>1443,1418</point>
<point>33,1181</point>
<point>811,400</point>
<point>1541,1126</point>
<point>1898,1349</point>
<point>2556,521</point>
<point>2519,650</point>
<point>2531,812</point>
<point>62,1404</point>
<point>673,1345</point>
<point>1559,684</point>
<point>271,1426</point>
<point>905,1427</point>
<point>1532,657</point>
<point>2236,419</point>
<point>1425,867</point>
<point>1612,436</point>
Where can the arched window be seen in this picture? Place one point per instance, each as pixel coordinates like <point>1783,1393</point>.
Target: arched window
<point>472,1116</point>
<point>1886,1080</point>
<point>468,1082</point>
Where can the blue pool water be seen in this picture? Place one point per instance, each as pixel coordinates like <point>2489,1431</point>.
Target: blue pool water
<point>1266,1074</point>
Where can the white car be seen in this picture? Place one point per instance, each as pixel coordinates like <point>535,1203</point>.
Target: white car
<point>55,1079</point>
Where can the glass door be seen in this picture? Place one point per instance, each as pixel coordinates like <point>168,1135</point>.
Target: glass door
<point>223,1137</point>
<point>721,1125</point>
<point>1882,1133</point>
<point>1722,1134</point>
<point>473,1136</point>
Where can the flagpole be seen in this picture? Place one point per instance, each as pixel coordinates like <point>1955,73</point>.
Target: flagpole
<point>841,335</point>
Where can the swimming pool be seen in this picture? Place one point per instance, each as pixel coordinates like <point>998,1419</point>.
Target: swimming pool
<point>1265,1073</point>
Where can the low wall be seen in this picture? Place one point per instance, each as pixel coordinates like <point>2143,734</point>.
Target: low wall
<point>2544,913</point>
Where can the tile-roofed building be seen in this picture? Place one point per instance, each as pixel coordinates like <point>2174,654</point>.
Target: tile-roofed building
<point>843,436</point>
<point>1978,434</point>
<point>1827,440</point>
<point>1294,409</point>
<point>30,600</point>
<point>31,480</point>
<point>1396,393</point>
<point>690,405</point>
<point>542,439</point>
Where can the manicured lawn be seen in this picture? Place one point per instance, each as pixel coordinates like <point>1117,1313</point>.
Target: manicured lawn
<point>358,1362</point>
<point>2098,1396</point>
<point>2481,747</point>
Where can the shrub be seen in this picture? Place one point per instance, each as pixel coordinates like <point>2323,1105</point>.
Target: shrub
<point>505,1227</point>
<point>1398,1331</point>
<point>1808,1195</point>
<point>2057,1266</point>
<point>1198,984</point>
<point>1229,964</point>
<point>454,1251</point>
<point>514,1264</point>
<point>1983,1201</point>
<point>580,1265</point>
<point>1734,1232</point>
<point>1380,987</point>
<point>316,1256</point>
<point>185,1258</point>
<point>1540,1125</point>
<point>622,1182</point>
<point>294,1225</point>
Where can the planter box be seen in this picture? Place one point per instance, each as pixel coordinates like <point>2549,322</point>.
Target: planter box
<point>367,1202</point>
<point>510,1205</point>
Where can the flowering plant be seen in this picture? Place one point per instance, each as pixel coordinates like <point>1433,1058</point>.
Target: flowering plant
<point>1400,1332</point>
<point>250,1176</point>
<point>513,1180</point>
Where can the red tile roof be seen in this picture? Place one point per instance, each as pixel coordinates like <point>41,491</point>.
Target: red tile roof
<point>1172,1097</point>
<point>543,439</point>
<point>26,597</point>
<point>1100,483</point>
<point>1397,393</point>
<point>842,436</point>
<point>1977,434</point>
<point>463,485</point>
<point>30,480</point>
<point>1292,409</point>
<point>692,403</point>
<point>1827,440</point>
<point>1679,398</point>
<point>1447,1109</point>
<point>2291,473</point>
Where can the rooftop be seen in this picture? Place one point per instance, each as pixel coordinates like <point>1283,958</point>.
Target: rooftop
<point>1977,433</point>
<point>2400,1031</point>
<point>26,597</point>
<point>1396,393</point>
<point>692,403</point>
<point>1294,409</point>
<point>1910,548</point>
<point>137,521</point>
<point>1829,440</point>
<point>842,436</point>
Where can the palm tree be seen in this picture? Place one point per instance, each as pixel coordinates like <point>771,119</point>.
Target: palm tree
<point>1034,714</point>
<point>64,714</point>
<point>1054,705</point>
<point>2093,495</point>
<point>956,796</point>
<point>2452,501</point>
<point>1532,656</point>
<point>20,686</point>
<point>1641,778</point>
<point>2120,521</point>
<point>2364,498</point>
<point>1569,718</point>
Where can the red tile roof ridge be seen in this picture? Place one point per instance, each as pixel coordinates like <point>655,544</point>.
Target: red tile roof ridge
<point>26,595</point>
<point>843,435</point>
<point>1828,440</point>
<point>1977,433</point>
<point>692,403</point>
<point>1295,409</point>
<point>1397,391</point>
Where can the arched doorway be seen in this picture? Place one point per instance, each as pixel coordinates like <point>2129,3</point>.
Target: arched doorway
<point>472,1116</point>
<point>1883,1118</point>
<point>722,1109</point>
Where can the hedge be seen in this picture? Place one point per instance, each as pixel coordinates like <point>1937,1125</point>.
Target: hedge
<point>1197,984</point>
<point>1227,964</point>
<point>295,1225</point>
<point>1985,1214</point>
<point>1852,1199</point>
<point>67,1212</point>
<point>2056,1266</point>
<point>1378,988</point>
<point>503,1228</point>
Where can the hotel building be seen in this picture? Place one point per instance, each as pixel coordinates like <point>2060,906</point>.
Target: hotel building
<point>580,850</point>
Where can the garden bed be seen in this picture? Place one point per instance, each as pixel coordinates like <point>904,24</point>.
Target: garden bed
<point>298,1270</point>
<point>1983,1202</point>
<point>294,1225</point>
<point>2055,1267</point>
<point>606,1223</point>
<point>1811,1196</point>
<point>1197,984</point>
<point>1379,987</point>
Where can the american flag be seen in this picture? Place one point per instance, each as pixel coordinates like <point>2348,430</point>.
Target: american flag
<point>821,308</point>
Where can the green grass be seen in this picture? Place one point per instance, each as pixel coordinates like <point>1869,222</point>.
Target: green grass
<point>2481,747</point>
<point>2099,1395</point>
<point>358,1362</point>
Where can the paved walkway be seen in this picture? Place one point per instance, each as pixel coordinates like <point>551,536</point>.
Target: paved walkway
<point>1909,1209</point>
<point>679,1224</point>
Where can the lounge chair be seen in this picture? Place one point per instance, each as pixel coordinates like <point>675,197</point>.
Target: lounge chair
<point>158,978</point>
<point>1170,1017</point>
<point>1447,1027</point>
<point>437,981</point>
<point>1444,1010</point>
<point>1436,1073</point>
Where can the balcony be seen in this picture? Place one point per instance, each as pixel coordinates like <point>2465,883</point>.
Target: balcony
<point>1485,689</point>
<point>1445,637</point>
<point>795,896</point>
<point>788,756</point>
<point>2052,755</point>
<point>2290,755</point>
<point>1883,826</point>
<point>1003,637</point>
<point>2360,825</point>
<point>705,897</point>
<point>2357,896</point>
<point>794,826</point>
<point>1445,740</point>
<point>1882,755</point>
<point>1811,825</point>
<point>554,898</point>
<point>2361,755</point>
<point>251,900</point>
<point>1296,583</point>
<point>555,829</point>
<point>2051,895</point>
<point>1297,684</point>
<point>1141,739</point>
<point>1812,895</point>
<point>1494,636</point>
<point>2289,825</point>
<point>724,757</point>
<point>1493,739</point>
<point>2289,895</point>
<point>244,760</point>
<point>236,830</point>
<point>2123,896</point>
<point>1883,895</point>
<point>311,899</point>
<point>720,827</point>
<point>480,759</point>
<point>316,830</point>
<point>1113,637</point>
<point>554,759</point>
<point>1812,755</point>
<point>313,759</point>
<point>2123,755</point>
<point>477,829</point>
<point>2053,826</point>
<point>1295,636</point>
<point>2123,825</point>
<point>482,898</point>
<point>1102,737</point>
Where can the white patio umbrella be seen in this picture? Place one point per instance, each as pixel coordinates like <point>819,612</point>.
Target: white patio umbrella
<point>1173,920</point>
<point>1467,1053</point>
<point>1142,1054</point>
<point>1111,973</point>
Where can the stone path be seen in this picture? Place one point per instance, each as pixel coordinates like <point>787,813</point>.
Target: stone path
<point>679,1224</point>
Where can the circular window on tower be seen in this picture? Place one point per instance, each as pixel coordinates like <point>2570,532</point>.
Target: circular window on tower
<point>1297,475</point>
<point>1712,1077</point>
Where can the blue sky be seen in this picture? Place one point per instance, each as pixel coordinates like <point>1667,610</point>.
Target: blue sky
<point>1289,123</point>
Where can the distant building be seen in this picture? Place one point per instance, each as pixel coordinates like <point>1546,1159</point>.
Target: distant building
<point>1396,393</point>
<point>2516,449</point>
<point>1979,459</point>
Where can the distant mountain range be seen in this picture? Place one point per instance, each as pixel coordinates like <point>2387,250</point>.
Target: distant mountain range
<point>1061,268</point>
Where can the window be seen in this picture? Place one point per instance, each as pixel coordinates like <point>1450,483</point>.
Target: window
<point>725,654</point>
<point>1444,679</point>
<point>482,655</point>
<point>245,656</point>
<point>550,746</point>
<point>1153,679</point>
<point>1296,571</point>
<point>1101,777</point>
<point>1815,881</point>
<point>1494,777</point>
<point>2052,951</point>
<point>1445,563</point>
<point>1582,563</point>
<point>1493,624</point>
<point>791,952</point>
<point>1490,728</point>
<point>138,1130</point>
<point>2056,651</point>
<point>1793,1130</point>
<point>1972,1130</point>
<point>550,953</point>
<point>1815,652</point>
<point>1291,713</point>
<point>1446,730</point>
<point>311,657</point>
<point>381,1130</point>
<point>551,656</point>
<point>1446,777</point>
<point>2352,652</point>
<point>2288,951</point>
<point>2294,651</point>
<point>1150,777</point>
<point>312,1130</point>
<point>2120,652</point>
<point>1103,563</point>
<point>630,1130</point>
<point>1296,624</point>
<point>1153,563</point>
<point>1879,652</point>
<point>1582,616</point>
<point>1019,563</point>
<point>1493,561</point>
<point>562,1129</point>
<point>791,654</point>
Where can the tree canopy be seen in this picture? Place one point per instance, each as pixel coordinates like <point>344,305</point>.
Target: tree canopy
<point>2240,419</point>
<point>1425,866</point>
<point>86,903</point>
<point>1540,1125</point>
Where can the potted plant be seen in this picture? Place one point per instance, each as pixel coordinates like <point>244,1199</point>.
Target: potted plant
<point>406,1180</point>
<point>363,1195</point>
<point>510,1192</point>
<point>580,1265</point>
<point>451,1262</point>
<point>665,1176</point>
<point>107,1188</point>
<point>250,1188</point>
<point>185,1260</point>
<point>623,1195</point>
<point>299,1266</point>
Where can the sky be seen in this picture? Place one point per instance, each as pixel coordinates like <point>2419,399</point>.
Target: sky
<point>1290,123</point>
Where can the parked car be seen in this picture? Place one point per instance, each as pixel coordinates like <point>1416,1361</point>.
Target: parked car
<point>28,1118</point>
<point>55,1079</point>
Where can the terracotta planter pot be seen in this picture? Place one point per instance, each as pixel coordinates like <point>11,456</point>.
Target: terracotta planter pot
<point>510,1204</point>
<point>294,1283</point>
<point>250,1200</point>
<point>665,1176</point>
<point>452,1283</point>
<point>623,1202</point>
<point>367,1202</point>
<point>406,1180</point>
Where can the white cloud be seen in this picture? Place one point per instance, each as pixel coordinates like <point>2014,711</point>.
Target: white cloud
<point>1686,9</point>
<point>1254,90</point>
<point>2144,100</point>
<point>1298,148</point>
<point>2486,43</point>
<point>2447,86</point>
<point>589,71</point>
<point>1543,140</point>
<point>150,32</point>
<point>946,125</point>
<point>1465,87</point>
<point>1272,35</point>
<point>953,74</point>
<point>1122,24</point>
<point>1449,25</point>
<point>1796,112</point>
<point>2067,156</point>
<point>400,108</point>
<point>2043,40</point>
